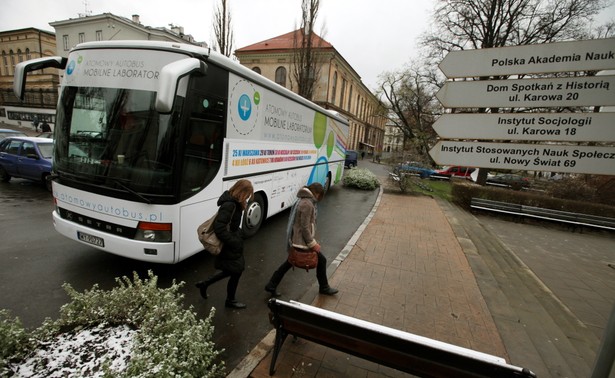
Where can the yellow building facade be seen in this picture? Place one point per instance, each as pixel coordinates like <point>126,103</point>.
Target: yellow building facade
<point>338,87</point>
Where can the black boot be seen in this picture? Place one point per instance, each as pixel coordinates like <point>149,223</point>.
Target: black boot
<point>234,303</point>
<point>272,289</point>
<point>202,285</point>
<point>328,290</point>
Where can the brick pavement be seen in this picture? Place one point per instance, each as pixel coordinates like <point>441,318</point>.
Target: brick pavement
<point>404,272</point>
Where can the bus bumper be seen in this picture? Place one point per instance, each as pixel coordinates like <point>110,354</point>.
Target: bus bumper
<point>163,253</point>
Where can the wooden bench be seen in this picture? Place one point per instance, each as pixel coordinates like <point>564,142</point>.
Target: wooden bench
<point>576,219</point>
<point>386,346</point>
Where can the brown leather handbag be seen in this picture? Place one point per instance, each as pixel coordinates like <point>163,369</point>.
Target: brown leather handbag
<point>304,259</point>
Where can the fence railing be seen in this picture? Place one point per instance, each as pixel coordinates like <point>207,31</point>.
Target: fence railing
<point>46,98</point>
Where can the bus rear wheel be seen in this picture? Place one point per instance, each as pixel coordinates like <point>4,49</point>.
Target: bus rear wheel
<point>254,215</point>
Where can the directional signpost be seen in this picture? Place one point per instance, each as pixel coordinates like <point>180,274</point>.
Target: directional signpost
<point>527,157</point>
<point>570,127</point>
<point>564,128</point>
<point>592,55</point>
<point>578,91</point>
<point>561,131</point>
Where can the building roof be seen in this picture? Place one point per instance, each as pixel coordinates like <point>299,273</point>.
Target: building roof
<point>177,32</point>
<point>24,30</point>
<point>284,42</point>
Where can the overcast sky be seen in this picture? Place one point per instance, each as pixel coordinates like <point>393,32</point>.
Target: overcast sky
<point>373,36</point>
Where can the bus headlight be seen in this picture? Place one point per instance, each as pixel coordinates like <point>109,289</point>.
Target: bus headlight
<point>154,232</point>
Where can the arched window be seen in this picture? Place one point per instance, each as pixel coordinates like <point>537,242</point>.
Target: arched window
<point>19,56</point>
<point>350,100</point>
<point>334,89</point>
<point>280,76</point>
<point>28,55</point>
<point>5,63</point>
<point>342,93</point>
<point>257,70</point>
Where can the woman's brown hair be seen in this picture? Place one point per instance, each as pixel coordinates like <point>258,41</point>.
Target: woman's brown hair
<point>242,191</point>
<point>317,190</point>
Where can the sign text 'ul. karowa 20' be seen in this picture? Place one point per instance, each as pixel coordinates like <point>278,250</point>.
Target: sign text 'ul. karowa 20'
<point>566,128</point>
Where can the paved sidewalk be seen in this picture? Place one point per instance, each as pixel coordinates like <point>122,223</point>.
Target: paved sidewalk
<point>408,273</point>
<point>28,130</point>
<point>444,273</point>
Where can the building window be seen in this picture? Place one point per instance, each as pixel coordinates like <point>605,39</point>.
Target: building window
<point>81,37</point>
<point>334,89</point>
<point>99,35</point>
<point>12,56</point>
<point>342,93</point>
<point>28,55</point>
<point>280,76</point>
<point>5,63</point>
<point>19,56</point>
<point>65,42</point>
<point>257,70</point>
<point>350,100</point>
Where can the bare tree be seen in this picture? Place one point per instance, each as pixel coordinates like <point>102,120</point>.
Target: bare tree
<point>223,29</point>
<point>412,106</point>
<point>462,24</point>
<point>306,67</point>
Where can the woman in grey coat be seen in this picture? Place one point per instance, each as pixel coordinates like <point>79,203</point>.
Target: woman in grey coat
<point>302,229</point>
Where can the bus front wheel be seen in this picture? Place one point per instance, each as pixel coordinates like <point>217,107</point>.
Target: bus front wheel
<point>254,215</point>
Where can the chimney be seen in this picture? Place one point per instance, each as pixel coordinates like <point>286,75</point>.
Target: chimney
<point>135,19</point>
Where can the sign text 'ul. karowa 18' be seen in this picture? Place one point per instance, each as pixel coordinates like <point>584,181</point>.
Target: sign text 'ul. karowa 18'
<point>565,128</point>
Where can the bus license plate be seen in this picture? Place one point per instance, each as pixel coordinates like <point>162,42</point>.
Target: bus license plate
<point>91,239</point>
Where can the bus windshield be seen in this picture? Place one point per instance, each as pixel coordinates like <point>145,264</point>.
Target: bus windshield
<point>113,138</point>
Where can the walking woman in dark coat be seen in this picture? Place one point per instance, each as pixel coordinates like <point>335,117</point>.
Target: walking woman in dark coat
<point>230,261</point>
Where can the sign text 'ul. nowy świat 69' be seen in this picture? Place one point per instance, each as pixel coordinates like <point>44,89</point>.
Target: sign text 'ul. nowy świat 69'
<point>489,140</point>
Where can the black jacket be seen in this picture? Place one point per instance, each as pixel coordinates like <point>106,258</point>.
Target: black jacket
<point>229,214</point>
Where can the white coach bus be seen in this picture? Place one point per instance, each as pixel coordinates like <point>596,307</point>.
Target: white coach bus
<point>149,134</point>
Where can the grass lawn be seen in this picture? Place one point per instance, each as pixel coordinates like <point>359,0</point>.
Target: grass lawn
<point>436,188</point>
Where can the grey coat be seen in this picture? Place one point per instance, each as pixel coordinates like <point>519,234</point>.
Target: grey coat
<point>304,225</point>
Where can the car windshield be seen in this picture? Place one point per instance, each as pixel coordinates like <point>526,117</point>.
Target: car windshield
<point>112,135</point>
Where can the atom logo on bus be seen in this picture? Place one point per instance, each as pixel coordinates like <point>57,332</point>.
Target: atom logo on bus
<point>244,107</point>
<point>71,67</point>
<point>244,101</point>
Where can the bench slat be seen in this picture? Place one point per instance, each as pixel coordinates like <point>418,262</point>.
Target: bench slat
<point>543,213</point>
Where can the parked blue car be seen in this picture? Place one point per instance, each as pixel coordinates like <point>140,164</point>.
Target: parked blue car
<point>26,157</point>
<point>414,168</point>
<point>351,159</point>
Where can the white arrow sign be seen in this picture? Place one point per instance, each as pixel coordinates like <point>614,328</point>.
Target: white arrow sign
<point>578,91</point>
<point>533,157</point>
<point>568,127</point>
<point>592,55</point>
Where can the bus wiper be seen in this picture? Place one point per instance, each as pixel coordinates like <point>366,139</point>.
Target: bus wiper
<point>121,185</point>
<point>130,190</point>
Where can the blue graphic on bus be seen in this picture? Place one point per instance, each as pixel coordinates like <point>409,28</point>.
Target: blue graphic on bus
<point>70,68</point>
<point>319,172</point>
<point>244,107</point>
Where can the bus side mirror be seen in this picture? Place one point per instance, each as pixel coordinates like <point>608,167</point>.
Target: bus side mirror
<point>22,69</point>
<point>169,80</point>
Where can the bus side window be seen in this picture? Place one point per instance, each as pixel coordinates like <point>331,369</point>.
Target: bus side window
<point>203,154</point>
